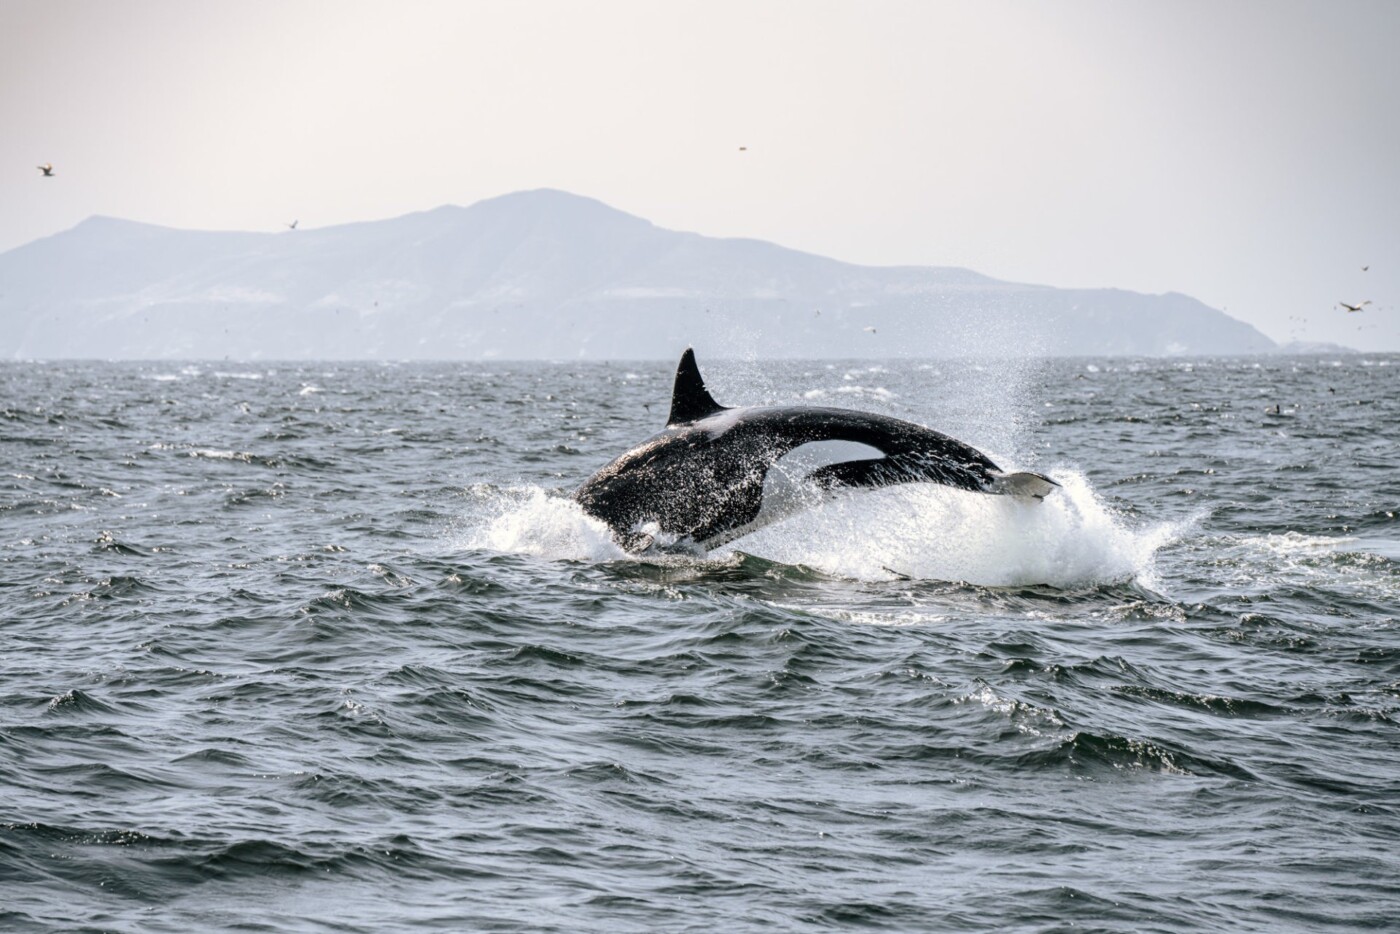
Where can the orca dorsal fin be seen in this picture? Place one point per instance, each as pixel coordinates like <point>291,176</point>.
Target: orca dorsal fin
<point>690,401</point>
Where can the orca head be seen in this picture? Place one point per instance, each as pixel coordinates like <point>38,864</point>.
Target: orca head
<point>690,400</point>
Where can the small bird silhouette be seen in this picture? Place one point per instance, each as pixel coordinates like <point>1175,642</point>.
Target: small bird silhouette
<point>293,225</point>
<point>1365,268</point>
<point>1351,308</point>
<point>871,330</point>
<point>46,168</point>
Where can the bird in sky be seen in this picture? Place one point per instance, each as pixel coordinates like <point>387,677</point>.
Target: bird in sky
<point>1365,268</point>
<point>46,168</point>
<point>871,330</point>
<point>743,149</point>
<point>1351,308</point>
<point>293,225</point>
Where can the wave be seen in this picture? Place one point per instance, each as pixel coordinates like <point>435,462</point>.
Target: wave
<point>1336,572</point>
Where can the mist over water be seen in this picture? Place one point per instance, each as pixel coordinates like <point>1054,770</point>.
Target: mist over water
<point>312,647</point>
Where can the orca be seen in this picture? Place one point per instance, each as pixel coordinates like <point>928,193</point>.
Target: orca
<point>714,473</point>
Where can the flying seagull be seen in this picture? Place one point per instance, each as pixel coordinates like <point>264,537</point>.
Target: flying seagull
<point>46,168</point>
<point>292,225</point>
<point>1351,308</point>
<point>871,330</point>
<point>1365,268</point>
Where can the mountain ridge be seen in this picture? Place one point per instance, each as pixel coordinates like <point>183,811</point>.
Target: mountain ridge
<point>542,274</point>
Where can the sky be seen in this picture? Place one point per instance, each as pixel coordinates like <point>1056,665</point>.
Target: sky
<point>1245,152</point>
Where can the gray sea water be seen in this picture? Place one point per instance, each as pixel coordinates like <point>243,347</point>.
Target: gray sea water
<point>305,648</point>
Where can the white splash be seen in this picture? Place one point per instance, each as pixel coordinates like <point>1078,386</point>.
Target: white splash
<point>921,531</point>
<point>532,522</point>
<point>930,532</point>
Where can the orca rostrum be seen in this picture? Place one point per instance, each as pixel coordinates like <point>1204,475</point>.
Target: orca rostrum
<point>716,473</point>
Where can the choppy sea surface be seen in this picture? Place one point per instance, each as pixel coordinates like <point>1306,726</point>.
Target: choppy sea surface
<point>327,647</point>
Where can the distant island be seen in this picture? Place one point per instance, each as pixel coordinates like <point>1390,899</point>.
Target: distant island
<point>544,275</point>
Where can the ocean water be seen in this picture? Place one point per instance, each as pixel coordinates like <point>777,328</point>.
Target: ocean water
<point>328,648</point>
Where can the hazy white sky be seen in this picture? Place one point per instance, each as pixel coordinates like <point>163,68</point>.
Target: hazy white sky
<point>1246,152</point>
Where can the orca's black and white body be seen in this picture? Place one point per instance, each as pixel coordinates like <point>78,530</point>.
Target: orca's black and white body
<point>716,473</point>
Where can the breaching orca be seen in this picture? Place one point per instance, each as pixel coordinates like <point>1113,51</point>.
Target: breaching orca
<point>716,473</point>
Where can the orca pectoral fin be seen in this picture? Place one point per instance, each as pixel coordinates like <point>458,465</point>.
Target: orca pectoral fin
<point>848,473</point>
<point>896,469</point>
<point>906,468</point>
<point>1022,484</point>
